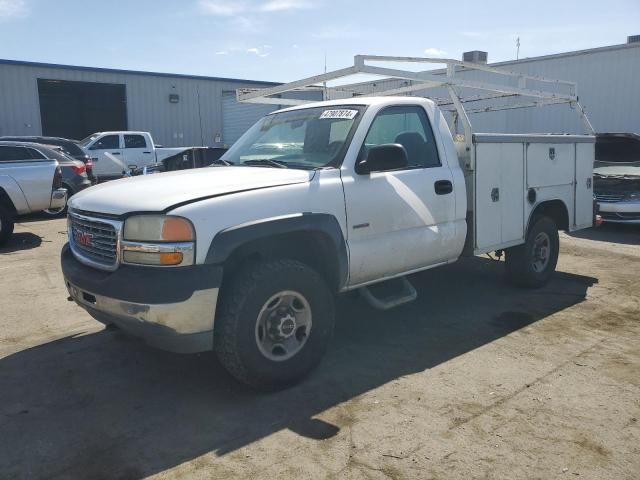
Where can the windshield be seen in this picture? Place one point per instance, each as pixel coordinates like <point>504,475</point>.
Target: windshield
<point>621,149</point>
<point>87,140</point>
<point>308,138</point>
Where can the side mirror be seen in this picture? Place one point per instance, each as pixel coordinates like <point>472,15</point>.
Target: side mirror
<point>383,158</point>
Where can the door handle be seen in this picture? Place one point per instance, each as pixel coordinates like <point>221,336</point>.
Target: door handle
<point>443,187</point>
<point>147,152</point>
<point>115,153</point>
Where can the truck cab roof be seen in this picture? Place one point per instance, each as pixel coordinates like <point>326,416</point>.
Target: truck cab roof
<point>364,101</point>
<point>118,132</point>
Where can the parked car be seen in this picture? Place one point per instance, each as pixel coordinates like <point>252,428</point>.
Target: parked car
<point>74,176</point>
<point>30,181</point>
<point>113,153</point>
<point>245,257</point>
<point>196,157</point>
<point>617,177</point>
<point>70,147</point>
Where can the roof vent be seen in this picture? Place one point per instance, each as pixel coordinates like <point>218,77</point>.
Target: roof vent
<point>633,39</point>
<point>475,56</point>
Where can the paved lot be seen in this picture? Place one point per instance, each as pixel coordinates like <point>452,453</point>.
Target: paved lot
<point>476,379</point>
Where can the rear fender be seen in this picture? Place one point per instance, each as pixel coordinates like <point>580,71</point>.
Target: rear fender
<point>10,191</point>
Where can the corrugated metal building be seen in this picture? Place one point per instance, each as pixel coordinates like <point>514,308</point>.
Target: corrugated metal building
<point>608,81</point>
<point>179,110</point>
<point>183,110</point>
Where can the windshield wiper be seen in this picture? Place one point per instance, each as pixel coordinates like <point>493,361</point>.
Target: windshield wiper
<point>220,161</point>
<point>273,163</point>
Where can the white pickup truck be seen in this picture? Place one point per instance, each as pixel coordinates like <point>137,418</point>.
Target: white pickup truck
<point>113,153</point>
<point>29,182</point>
<point>314,201</point>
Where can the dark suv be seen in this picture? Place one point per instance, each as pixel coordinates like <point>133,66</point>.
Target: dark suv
<point>70,147</point>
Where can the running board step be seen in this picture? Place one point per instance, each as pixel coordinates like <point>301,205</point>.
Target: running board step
<point>390,293</point>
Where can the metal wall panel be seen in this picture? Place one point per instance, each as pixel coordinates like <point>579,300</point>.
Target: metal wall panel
<point>195,120</point>
<point>238,117</point>
<point>607,81</point>
<point>607,85</point>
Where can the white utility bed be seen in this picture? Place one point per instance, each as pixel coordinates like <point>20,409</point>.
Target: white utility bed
<point>546,167</point>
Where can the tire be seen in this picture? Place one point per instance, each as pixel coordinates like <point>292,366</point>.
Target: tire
<point>60,212</point>
<point>528,265</point>
<point>6,225</point>
<point>247,340</point>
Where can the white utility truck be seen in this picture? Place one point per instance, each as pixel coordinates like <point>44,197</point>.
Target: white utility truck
<point>317,200</point>
<point>113,153</point>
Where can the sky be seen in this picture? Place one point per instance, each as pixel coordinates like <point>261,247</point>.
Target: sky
<point>282,40</point>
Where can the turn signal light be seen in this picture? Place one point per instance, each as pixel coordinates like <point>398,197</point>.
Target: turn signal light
<point>171,258</point>
<point>175,229</point>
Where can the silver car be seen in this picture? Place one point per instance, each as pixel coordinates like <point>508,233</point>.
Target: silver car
<point>617,177</point>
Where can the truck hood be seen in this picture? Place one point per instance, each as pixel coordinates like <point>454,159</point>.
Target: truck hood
<point>165,191</point>
<point>606,169</point>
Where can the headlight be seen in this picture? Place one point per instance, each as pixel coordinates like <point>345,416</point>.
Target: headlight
<point>161,240</point>
<point>158,228</point>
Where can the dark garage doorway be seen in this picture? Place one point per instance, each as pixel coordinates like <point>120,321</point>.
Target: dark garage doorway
<point>76,109</point>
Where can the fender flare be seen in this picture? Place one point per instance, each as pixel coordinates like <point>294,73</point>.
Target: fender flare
<point>541,205</point>
<point>227,241</point>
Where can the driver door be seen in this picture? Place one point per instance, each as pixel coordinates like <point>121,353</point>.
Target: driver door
<point>400,220</point>
<point>107,155</point>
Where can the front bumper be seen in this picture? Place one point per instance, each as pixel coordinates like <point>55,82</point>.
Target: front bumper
<point>620,212</point>
<point>58,198</point>
<point>171,308</point>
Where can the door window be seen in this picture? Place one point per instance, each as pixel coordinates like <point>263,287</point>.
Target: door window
<point>36,154</point>
<point>108,142</point>
<point>10,154</point>
<point>408,126</point>
<point>134,141</point>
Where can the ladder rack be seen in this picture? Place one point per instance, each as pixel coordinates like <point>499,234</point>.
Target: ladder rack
<point>451,80</point>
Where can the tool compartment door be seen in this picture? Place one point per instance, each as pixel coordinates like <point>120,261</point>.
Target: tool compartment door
<point>585,154</point>
<point>499,195</point>
<point>550,164</point>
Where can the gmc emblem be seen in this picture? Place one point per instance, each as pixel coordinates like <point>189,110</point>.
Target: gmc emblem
<point>82,238</point>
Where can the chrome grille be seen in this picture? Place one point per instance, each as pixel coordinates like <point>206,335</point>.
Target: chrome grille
<point>609,197</point>
<point>94,241</point>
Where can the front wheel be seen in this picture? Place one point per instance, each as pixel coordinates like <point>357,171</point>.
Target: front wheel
<point>533,263</point>
<point>274,323</point>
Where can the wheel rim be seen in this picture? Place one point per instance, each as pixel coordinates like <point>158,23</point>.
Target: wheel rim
<point>283,325</point>
<point>541,252</point>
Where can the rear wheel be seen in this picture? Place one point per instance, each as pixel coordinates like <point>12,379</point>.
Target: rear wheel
<point>6,225</point>
<point>533,263</point>
<point>274,323</point>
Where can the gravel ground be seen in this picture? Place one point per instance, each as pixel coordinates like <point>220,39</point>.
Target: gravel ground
<point>476,379</point>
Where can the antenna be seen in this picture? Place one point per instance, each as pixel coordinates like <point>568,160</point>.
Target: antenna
<point>518,48</point>
<point>324,84</point>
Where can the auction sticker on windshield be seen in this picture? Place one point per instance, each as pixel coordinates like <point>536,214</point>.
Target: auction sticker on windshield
<point>340,113</point>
